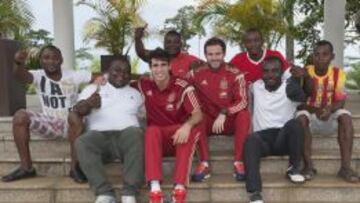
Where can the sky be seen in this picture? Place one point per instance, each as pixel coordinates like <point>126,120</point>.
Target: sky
<point>154,13</point>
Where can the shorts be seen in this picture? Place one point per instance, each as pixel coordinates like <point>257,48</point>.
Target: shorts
<point>323,127</point>
<point>47,126</point>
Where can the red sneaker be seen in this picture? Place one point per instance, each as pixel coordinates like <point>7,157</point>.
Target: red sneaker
<point>179,196</point>
<point>202,172</point>
<point>239,171</point>
<point>156,197</point>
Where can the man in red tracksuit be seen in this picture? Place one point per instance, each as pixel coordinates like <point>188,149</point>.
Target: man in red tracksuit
<point>173,114</point>
<point>223,96</point>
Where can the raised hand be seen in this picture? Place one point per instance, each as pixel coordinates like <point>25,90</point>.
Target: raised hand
<point>297,71</point>
<point>21,57</point>
<point>139,32</point>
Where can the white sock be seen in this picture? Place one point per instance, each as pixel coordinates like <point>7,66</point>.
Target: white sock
<point>155,186</point>
<point>205,163</point>
<point>236,162</point>
<point>128,199</point>
<point>179,187</point>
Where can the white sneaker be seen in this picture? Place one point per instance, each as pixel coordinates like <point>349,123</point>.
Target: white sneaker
<point>255,197</point>
<point>294,175</point>
<point>257,201</point>
<point>128,199</point>
<point>105,199</point>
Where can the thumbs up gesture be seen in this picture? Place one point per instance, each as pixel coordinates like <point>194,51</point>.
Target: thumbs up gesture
<point>95,100</point>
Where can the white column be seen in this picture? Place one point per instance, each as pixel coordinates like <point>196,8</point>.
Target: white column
<point>64,30</point>
<point>334,28</point>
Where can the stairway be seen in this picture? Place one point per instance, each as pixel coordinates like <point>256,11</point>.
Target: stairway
<point>51,159</point>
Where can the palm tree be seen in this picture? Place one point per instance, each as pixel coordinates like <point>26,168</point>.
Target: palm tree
<point>15,17</point>
<point>230,20</point>
<point>113,27</point>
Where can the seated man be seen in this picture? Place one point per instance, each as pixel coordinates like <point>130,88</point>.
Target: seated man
<point>57,90</point>
<point>324,110</point>
<point>173,114</point>
<point>223,95</point>
<point>276,132</point>
<point>113,133</point>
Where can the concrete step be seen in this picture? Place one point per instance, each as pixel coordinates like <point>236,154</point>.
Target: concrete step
<point>219,188</point>
<point>6,123</point>
<point>40,145</point>
<point>54,164</point>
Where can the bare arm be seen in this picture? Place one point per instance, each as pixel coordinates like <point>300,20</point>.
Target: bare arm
<point>84,107</point>
<point>20,71</point>
<point>139,45</point>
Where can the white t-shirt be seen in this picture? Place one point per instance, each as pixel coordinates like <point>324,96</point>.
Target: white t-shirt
<point>271,109</point>
<point>57,97</point>
<point>119,107</point>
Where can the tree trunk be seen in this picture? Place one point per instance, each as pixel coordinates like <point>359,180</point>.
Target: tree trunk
<point>289,46</point>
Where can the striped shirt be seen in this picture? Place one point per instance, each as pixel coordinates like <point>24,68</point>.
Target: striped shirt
<point>328,88</point>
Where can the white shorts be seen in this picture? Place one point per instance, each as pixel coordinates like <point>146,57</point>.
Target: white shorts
<point>47,126</point>
<point>323,127</point>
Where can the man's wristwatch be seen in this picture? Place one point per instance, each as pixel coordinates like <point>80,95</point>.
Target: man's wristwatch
<point>224,111</point>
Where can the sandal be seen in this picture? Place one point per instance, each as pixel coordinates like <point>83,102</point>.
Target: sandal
<point>18,174</point>
<point>78,175</point>
<point>348,175</point>
<point>309,173</point>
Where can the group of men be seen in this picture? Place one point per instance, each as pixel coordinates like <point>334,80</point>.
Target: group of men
<point>267,104</point>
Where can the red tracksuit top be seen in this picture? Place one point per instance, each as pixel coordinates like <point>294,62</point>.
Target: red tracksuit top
<point>171,106</point>
<point>224,88</point>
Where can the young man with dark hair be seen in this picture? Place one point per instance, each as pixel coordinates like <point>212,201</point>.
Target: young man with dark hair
<point>276,132</point>
<point>173,115</point>
<point>222,93</point>
<point>324,110</point>
<point>58,91</point>
<point>249,62</point>
<point>180,62</point>
<point>113,132</point>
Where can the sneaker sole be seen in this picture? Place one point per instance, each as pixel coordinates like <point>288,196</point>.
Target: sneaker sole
<point>295,182</point>
<point>204,179</point>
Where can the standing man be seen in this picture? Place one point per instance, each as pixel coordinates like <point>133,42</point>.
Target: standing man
<point>173,116</point>
<point>222,93</point>
<point>324,110</point>
<point>276,132</point>
<point>113,133</point>
<point>58,91</point>
<point>249,62</point>
<point>180,62</point>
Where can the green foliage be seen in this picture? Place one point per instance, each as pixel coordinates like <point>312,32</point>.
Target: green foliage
<point>353,77</point>
<point>82,55</point>
<point>183,23</point>
<point>135,64</point>
<point>310,14</point>
<point>15,17</point>
<point>231,20</point>
<point>30,89</point>
<point>113,28</point>
<point>95,65</point>
<point>38,38</point>
<point>33,40</point>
